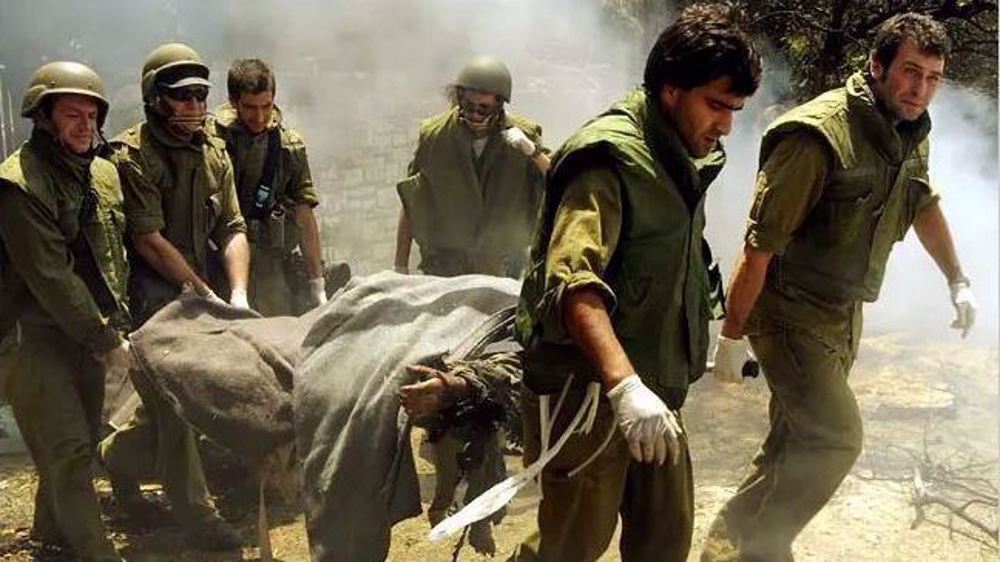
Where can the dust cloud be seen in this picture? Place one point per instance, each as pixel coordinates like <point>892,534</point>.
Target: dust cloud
<point>350,61</point>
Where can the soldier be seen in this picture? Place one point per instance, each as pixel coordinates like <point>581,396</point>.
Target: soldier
<point>180,204</point>
<point>275,189</point>
<point>617,297</point>
<point>842,178</point>
<point>475,181</point>
<point>62,294</point>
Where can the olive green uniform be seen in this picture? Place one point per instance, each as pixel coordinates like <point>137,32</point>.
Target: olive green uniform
<point>185,191</point>
<point>63,271</point>
<point>273,238</point>
<point>471,213</point>
<point>623,215</point>
<point>838,186</point>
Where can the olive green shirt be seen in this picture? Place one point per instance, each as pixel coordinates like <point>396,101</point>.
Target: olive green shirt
<point>183,189</point>
<point>584,237</point>
<point>789,185</point>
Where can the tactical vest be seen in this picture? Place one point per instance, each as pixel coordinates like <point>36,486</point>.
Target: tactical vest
<point>477,212</point>
<point>93,225</point>
<point>277,170</point>
<point>868,203</point>
<point>658,271</point>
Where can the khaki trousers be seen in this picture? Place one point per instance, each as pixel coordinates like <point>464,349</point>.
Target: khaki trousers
<point>578,515</point>
<point>56,390</point>
<point>814,439</point>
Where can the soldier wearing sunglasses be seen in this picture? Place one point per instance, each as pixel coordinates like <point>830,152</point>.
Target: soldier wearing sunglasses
<point>180,208</point>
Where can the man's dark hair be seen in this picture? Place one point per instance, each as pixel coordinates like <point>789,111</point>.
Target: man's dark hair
<point>705,43</point>
<point>249,76</point>
<point>928,33</point>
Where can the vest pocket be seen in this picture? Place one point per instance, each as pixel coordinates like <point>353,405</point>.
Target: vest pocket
<point>842,219</point>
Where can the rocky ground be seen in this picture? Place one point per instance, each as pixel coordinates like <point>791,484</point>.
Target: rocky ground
<point>930,407</point>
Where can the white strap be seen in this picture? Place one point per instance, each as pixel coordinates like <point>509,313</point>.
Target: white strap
<point>492,500</point>
<point>590,459</point>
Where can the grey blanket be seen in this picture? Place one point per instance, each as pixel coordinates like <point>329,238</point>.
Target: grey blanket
<point>238,378</point>
<point>358,473</point>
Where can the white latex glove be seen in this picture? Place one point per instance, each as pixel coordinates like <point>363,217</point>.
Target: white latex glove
<point>517,139</point>
<point>650,428</point>
<point>117,359</point>
<point>728,360</point>
<point>965,306</point>
<point>238,298</point>
<point>317,291</point>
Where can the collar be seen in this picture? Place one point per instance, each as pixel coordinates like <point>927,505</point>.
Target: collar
<point>46,144</point>
<point>877,121</point>
<point>670,149</point>
<point>228,118</point>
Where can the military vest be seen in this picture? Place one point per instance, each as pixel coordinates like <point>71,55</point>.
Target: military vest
<point>658,272</point>
<point>95,234</point>
<point>480,212</point>
<point>868,203</point>
<point>249,171</point>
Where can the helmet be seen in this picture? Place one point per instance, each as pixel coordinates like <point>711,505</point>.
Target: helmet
<point>175,64</point>
<point>486,73</point>
<point>64,78</point>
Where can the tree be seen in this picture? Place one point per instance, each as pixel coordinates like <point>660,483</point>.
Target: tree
<point>822,41</point>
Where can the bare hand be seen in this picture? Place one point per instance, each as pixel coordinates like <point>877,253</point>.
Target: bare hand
<point>429,396</point>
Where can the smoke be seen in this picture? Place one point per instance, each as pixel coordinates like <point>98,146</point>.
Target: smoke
<point>963,169</point>
<point>355,77</point>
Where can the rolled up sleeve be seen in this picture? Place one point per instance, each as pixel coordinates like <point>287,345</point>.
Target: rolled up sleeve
<point>789,184</point>
<point>585,234</point>
<point>300,187</point>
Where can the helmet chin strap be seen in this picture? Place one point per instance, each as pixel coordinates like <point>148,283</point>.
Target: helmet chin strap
<point>183,125</point>
<point>482,128</point>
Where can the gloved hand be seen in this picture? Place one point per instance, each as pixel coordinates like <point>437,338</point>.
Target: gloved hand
<point>650,428</point>
<point>517,139</point>
<point>206,293</point>
<point>729,357</point>
<point>965,305</point>
<point>317,291</point>
<point>117,359</point>
<point>238,298</point>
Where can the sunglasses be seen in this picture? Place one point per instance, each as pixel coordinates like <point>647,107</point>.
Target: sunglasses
<point>188,93</point>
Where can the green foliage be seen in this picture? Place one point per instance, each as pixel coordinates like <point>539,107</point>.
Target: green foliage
<point>822,41</point>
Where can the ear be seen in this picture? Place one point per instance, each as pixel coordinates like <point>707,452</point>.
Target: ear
<point>875,68</point>
<point>668,96</point>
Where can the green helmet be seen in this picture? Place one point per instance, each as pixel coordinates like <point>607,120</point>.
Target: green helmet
<point>174,64</point>
<point>486,73</point>
<point>64,78</point>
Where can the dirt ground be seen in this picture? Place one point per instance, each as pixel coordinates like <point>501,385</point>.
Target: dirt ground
<point>925,404</point>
